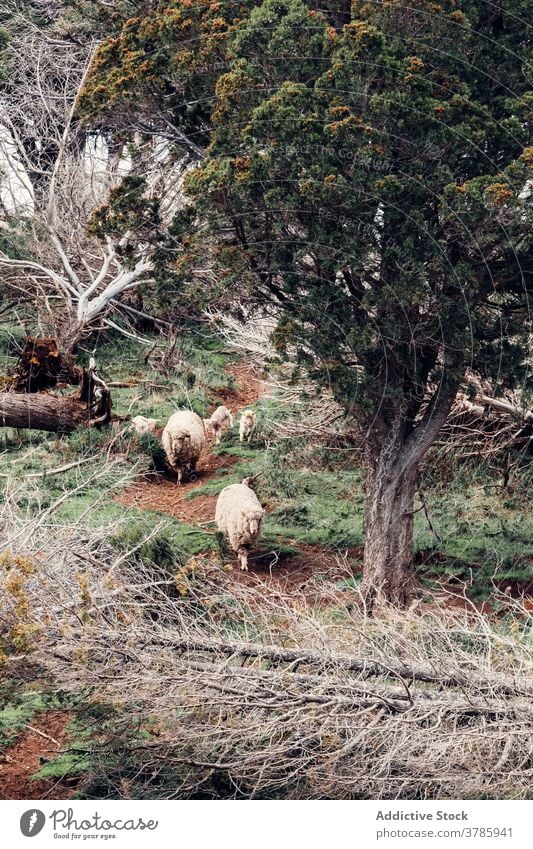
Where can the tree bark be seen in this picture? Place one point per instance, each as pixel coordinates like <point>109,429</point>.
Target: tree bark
<point>70,336</point>
<point>394,451</point>
<point>42,412</point>
<point>388,572</point>
<point>90,406</point>
<point>42,366</point>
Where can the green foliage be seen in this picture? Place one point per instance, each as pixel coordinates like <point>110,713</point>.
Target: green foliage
<point>152,446</point>
<point>127,210</point>
<point>364,172</point>
<point>4,64</point>
<point>18,711</point>
<point>68,764</point>
<point>159,549</point>
<point>417,136</point>
<point>169,51</point>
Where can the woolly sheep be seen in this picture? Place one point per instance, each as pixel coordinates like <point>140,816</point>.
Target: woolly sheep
<point>220,420</point>
<point>239,515</point>
<point>247,425</point>
<point>142,425</point>
<point>183,440</point>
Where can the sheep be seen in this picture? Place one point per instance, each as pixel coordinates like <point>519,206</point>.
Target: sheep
<point>183,440</point>
<point>220,420</point>
<point>247,425</point>
<point>239,515</point>
<point>141,425</point>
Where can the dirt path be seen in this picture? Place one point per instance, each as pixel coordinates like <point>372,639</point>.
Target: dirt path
<point>250,388</point>
<point>157,492</point>
<point>26,756</point>
<point>290,573</point>
<point>295,574</point>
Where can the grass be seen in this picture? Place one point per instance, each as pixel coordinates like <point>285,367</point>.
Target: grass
<point>172,546</point>
<point>198,375</point>
<point>19,709</point>
<point>192,382</point>
<point>485,534</point>
<point>70,762</point>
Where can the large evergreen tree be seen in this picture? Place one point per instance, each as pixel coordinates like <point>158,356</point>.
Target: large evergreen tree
<point>372,167</point>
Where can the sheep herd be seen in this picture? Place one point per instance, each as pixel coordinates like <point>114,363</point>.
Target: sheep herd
<point>238,513</point>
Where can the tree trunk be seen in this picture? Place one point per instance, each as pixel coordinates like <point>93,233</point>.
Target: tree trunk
<point>42,366</point>
<point>70,336</point>
<point>42,412</point>
<point>91,406</point>
<point>395,447</point>
<point>388,572</point>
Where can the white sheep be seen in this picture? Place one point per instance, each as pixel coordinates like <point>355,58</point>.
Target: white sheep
<point>141,425</point>
<point>220,420</point>
<point>239,515</point>
<point>247,425</point>
<point>183,440</point>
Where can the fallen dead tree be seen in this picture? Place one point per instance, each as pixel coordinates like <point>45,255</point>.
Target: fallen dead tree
<point>485,426</point>
<point>89,406</point>
<point>257,693</point>
<point>307,412</point>
<point>42,366</point>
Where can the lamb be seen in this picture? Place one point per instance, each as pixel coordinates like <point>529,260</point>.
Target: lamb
<point>220,420</point>
<point>141,425</point>
<point>183,440</point>
<point>247,425</point>
<point>239,515</point>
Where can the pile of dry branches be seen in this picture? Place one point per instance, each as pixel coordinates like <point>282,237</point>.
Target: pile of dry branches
<point>488,426</point>
<point>273,693</point>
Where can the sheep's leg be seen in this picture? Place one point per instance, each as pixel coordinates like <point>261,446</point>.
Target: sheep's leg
<point>243,559</point>
<point>180,475</point>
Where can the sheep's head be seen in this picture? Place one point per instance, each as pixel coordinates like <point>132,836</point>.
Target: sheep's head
<point>180,440</point>
<point>254,523</point>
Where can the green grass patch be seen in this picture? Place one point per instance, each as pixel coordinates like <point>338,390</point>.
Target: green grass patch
<point>20,710</point>
<point>71,762</point>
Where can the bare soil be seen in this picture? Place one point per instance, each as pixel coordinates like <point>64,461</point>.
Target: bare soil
<point>296,572</point>
<point>250,387</point>
<point>291,572</point>
<point>26,756</point>
<point>161,492</point>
